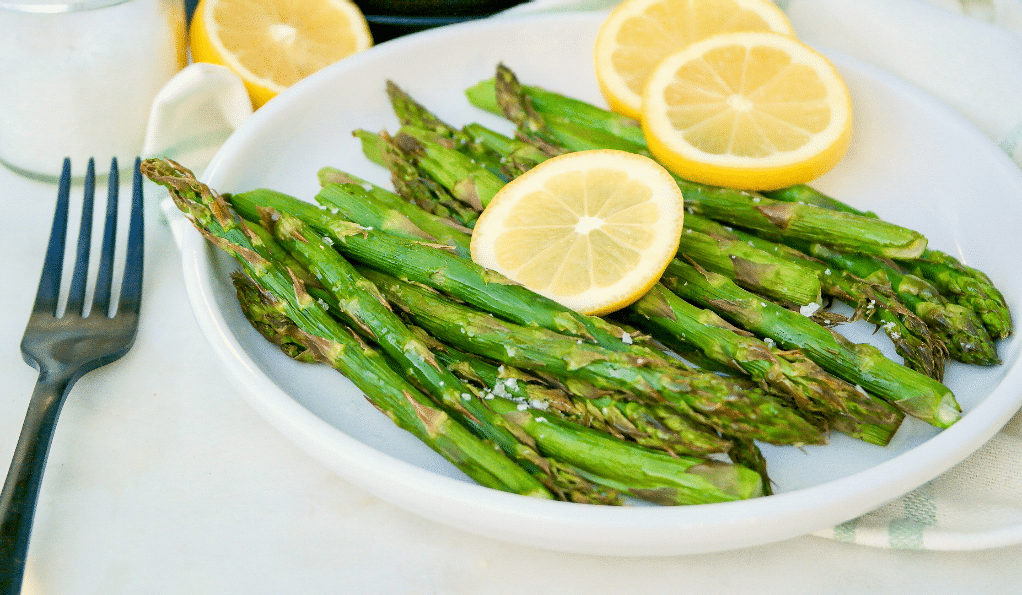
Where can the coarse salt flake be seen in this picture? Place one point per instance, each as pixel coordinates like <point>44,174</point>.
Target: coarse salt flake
<point>809,309</point>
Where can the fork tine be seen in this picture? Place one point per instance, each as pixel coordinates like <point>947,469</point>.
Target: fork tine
<point>76,293</point>
<point>48,294</point>
<point>104,277</point>
<point>131,286</point>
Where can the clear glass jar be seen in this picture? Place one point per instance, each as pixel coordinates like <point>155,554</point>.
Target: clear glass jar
<point>78,77</point>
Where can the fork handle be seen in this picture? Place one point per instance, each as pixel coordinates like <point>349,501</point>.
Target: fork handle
<point>21,489</point>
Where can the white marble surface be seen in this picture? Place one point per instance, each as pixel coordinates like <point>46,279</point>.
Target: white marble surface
<point>161,479</point>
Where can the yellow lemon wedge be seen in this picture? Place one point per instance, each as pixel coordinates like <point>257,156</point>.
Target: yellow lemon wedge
<point>638,34</point>
<point>592,230</point>
<point>755,111</point>
<point>272,44</point>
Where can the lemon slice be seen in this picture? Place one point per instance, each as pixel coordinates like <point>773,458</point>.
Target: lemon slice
<point>272,44</point>
<point>755,111</point>
<point>639,33</point>
<point>593,230</point>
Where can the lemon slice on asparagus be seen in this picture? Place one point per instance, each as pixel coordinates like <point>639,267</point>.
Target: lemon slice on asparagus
<point>593,230</point>
<point>755,111</point>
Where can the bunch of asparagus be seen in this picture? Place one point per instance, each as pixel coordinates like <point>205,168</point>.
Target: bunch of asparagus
<point>527,396</point>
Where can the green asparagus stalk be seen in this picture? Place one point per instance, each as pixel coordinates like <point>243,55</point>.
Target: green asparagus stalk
<point>550,104</point>
<point>415,115</point>
<point>551,134</point>
<point>730,407</point>
<point>327,339</point>
<point>961,329</point>
<point>808,223</point>
<point>649,425</point>
<point>463,177</point>
<point>966,286</point>
<point>270,324</point>
<point>810,196</point>
<point>789,373</point>
<point>409,183</point>
<point>919,347</point>
<point>777,278</point>
<point>631,469</point>
<point>357,204</point>
<point>517,157</point>
<point>860,364</point>
<point>412,113</point>
<point>747,454</point>
<point>500,154</point>
<point>363,209</point>
<point>268,248</point>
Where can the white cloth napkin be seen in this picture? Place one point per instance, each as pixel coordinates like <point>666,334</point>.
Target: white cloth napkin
<point>967,53</point>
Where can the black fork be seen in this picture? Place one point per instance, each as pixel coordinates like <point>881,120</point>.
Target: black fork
<point>64,346</point>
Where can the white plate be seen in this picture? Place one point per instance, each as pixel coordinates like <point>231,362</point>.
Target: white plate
<point>912,160</point>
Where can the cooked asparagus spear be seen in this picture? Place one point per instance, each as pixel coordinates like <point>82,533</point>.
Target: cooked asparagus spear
<point>963,285</point>
<point>961,329</point>
<point>789,373</point>
<point>463,177</point>
<point>761,272</point>
<point>517,157</point>
<point>860,364</point>
<point>364,208</point>
<point>649,425</point>
<point>728,406</point>
<point>811,196</point>
<point>550,104</point>
<point>919,347</point>
<point>967,287</point>
<point>357,204</point>
<point>412,113</point>
<point>317,331</point>
<point>409,183</point>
